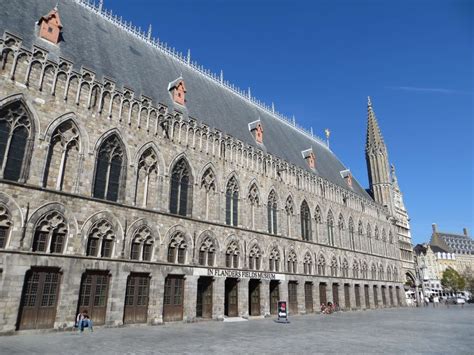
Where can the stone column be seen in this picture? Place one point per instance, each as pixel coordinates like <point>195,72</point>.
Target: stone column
<point>218,298</point>
<point>190,298</point>
<point>371,296</point>
<point>352,296</point>
<point>316,302</point>
<point>300,296</point>
<point>243,291</point>
<point>329,297</point>
<point>155,303</point>
<point>265,298</point>
<point>283,290</point>
<point>116,299</point>
<point>68,297</point>
<point>342,296</point>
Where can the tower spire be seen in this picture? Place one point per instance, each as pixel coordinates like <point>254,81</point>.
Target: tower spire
<point>374,135</point>
<point>376,156</point>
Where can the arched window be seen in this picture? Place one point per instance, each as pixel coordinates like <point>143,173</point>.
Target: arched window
<point>232,202</point>
<point>255,258</point>
<point>381,273</point>
<point>308,264</point>
<point>292,262</point>
<point>395,274</point>
<point>330,224</point>
<point>318,219</point>
<point>355,269</point>
<point>101,240</point>
<point>374,272</point>
<point>177,249</point>
<point>360,232</point>
<point>63,158</point>
<point>345,268</point>
<point>232,255</point>
<point>15,141</point>
<point>142,244</point>
<point>305,221</point>
<point>208,183</point>
<point>334,266</point>
<point>274,260</point>
<point>289,209</point>
<point>272,216</point>
<point>50,233</point>
<point>254,201</point>
<point>369,238</point>
<point>321,265</point>
<point>351,233</point>
<point>340,227</point>
<point>110,169</point>
<point>207,252</point>
<point>146,194</point>
<point>181,188</point>
<point>5,225</point>
<point>365,270</point>
<point>389,274</point>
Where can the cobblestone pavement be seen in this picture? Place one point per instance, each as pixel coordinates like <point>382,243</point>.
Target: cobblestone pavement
<point>407,330</point>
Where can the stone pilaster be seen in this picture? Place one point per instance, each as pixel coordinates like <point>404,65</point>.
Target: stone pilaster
<point>300,296</point>
<point>265,298</point>
<point>218,298</point>
<point>352,296</point>
<point>157,293</point>
<point>243,300</point>
<point>190,298</point>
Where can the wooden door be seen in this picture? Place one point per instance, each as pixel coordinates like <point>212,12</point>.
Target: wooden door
<point>308,297</point>
<point>366,296</point>
<point>357,295</point>
<point>93,295</point>
<point>204,298</point>
<point>293,297</point>
<point>39,299</point>
<point>136,298</point>
<point>274,296</point>
<point>254,297</point>
<point>347,297</point>
<point>335,294</point>
<point>173,300</point>
<point>231,299</point>
<point>322,294</point>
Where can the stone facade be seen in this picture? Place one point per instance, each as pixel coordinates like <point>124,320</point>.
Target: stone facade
<point>71,116</point>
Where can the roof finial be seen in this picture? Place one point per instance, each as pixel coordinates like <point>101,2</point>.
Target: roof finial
<point>189,56</point>
<point>101,4</point>
<point>149,32</point>
<point>273,108</point>
<point>328,133</point>
<point>369,102</point>
<point>222,76</point>
<point>249,94</point>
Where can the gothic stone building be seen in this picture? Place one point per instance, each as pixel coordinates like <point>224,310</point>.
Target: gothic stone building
<point>140,187</point>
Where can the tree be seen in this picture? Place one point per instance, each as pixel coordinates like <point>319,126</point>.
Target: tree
<point>468,275</point>
<point>452,280</point>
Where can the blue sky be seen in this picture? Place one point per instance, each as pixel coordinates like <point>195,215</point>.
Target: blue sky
<point>319,60</point>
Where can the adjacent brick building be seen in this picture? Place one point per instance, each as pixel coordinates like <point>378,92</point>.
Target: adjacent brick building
<point>137,185</point>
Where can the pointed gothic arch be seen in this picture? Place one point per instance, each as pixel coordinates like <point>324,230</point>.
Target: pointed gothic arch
<point>209,184</point>
<point>272,212</point>
<point>148,177</point>
<point>17,134</point>
<point>181,187</point>
<point>110,168</point>
<point>232,201</point>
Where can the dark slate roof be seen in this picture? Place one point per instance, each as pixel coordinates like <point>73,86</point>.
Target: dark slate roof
<point>95,43</point>
<point>437,249</point>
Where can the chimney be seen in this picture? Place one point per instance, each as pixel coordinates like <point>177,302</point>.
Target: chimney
<point>465,232</point>
<point>435,228</point>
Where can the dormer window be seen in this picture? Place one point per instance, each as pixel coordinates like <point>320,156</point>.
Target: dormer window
<point>310,158</point>
<point>256,129</point>
<point>178,91</point>
<point>50,26</point>
<point>347,176</point>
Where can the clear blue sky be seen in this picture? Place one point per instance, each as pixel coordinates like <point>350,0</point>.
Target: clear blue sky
<point>319,60</point>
